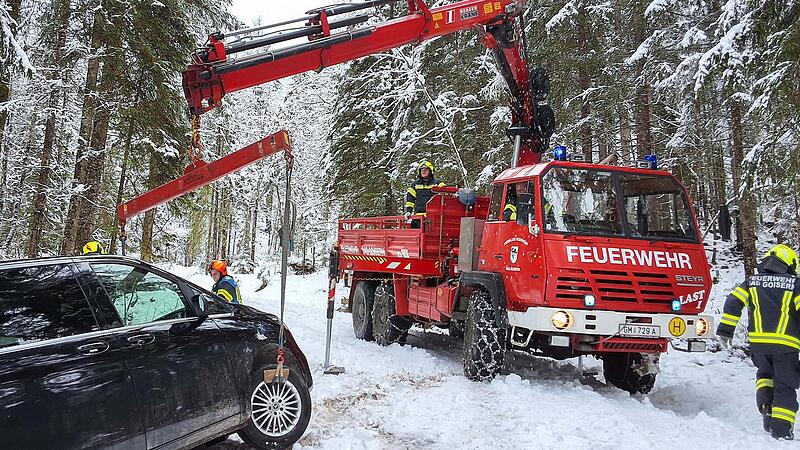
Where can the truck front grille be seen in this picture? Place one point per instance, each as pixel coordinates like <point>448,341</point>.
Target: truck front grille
<point>611,286</point>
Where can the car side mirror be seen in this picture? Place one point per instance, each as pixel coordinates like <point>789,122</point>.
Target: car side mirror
<point>200,305</point>
<point>524,202</point>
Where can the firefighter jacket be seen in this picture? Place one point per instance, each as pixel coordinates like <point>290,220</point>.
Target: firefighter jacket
<point>772,300</point>
<point>228,289</point>
<point>418,195</point>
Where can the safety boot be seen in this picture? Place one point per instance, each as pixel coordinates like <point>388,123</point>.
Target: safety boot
<point>782,429</point>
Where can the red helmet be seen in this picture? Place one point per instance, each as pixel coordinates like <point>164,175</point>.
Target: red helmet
<point>218,265</point>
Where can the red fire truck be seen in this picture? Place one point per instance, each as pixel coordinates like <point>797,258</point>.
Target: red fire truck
<point>600,260</point>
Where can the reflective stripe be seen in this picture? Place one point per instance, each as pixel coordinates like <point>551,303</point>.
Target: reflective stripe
<point>729,319</point>
<point>441,184</point>
<point>427,186</point>
<point>774,338</point>
<point>756,311</point>
<point>797,302</point>
<point>764,383</point>
<point>412,191</point>
<point>741,294</point>
<point>784,322</point>
<point>225,294</point>
<point>410,204</point>
<point>784,414</point>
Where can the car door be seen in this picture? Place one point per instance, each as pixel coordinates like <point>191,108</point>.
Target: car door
<point>62,383</point>
<point>180,370</point>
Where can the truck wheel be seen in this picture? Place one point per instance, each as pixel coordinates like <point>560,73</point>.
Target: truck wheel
<point>363,299</point>
<point>387,327</point>
<point>632,372</point>
<point>484,341</point>
<point>456,328</point>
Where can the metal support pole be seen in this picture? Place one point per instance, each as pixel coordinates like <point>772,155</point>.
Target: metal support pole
<point>517,148</point>
<point>333,273</point>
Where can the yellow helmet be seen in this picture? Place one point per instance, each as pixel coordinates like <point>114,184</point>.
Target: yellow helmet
<point>427,164</point>
<point>93,248</point>
<point>785,254</point>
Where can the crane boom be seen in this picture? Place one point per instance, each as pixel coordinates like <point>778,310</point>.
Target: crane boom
<point>217,70</point>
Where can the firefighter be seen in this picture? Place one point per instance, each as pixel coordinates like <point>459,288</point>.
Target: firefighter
<point>772,299</point>
<point>224,285</point>
<point>93,248</point>
<point>510,210</point>
<point>418,195</point>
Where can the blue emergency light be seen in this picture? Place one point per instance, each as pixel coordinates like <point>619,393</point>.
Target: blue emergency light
<point>676,305</point>
<point>652,160</point>
<point>560,153</point>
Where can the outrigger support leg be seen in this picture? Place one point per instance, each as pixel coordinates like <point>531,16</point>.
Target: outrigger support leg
<point>333,273</point>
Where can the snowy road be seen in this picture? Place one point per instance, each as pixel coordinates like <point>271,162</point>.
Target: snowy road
<point>416,397</point>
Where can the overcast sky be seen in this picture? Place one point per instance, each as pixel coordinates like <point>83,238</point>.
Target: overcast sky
<point>272,11</point>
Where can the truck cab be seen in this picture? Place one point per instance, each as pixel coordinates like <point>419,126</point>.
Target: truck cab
<point>596,260</point>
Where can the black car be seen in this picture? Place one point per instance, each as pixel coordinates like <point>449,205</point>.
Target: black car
<point>108,351</point>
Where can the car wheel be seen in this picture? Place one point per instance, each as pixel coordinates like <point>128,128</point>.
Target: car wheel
<point>279,412</point>
<point>363,299</point>
<point>632,372</point>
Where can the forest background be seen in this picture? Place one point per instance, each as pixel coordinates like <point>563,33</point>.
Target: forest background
<point>92,113</point>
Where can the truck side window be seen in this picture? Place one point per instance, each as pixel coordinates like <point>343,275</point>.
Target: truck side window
<point>496,206</point>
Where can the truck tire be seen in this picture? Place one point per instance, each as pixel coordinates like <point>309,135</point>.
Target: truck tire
<point>387,327</point>
<point>363,299</point>
<point>632,372</point>
<point>484,341</point>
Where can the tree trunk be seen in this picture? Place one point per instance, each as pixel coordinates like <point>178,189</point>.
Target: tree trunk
<point>641,99</point>
<point>625,135</point>
<point>70,244</point>
<point>147,235</point>
<point>747,213</point>
<point>584,84</point>
<point>122,176</point>
<point>5,73</point>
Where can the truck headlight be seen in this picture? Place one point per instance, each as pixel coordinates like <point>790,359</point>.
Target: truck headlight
<point>562,320</point>
<point>702,326</point>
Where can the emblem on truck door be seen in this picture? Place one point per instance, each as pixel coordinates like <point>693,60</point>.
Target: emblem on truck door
<point>514,254</point>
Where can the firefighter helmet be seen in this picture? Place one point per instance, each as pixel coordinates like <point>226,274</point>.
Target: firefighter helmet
<point>785,254</point>
<point>219,265</point>
<point>93,248</point>
<point>423,165</point>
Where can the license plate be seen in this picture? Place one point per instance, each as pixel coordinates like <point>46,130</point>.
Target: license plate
<point>630,329</point>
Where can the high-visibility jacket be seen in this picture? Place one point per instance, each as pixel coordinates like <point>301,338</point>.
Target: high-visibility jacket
<point>418,194</point>
<point>228,289</point>
<point>772,299</point>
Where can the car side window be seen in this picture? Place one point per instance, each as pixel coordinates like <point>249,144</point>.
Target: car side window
<point>43,302</point>
<point>140,296</point>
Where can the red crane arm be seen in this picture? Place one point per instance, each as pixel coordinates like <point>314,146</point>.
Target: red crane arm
<point>201,174</point>
<point>216,71</point>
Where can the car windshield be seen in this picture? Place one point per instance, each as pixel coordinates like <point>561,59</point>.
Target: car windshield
<point>580,201</point>
<point>585,201</point>
<point>656,207</point>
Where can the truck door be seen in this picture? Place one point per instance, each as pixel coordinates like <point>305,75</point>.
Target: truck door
<point>508,246</point>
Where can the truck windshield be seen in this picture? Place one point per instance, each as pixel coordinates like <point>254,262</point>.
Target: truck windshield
<point>585,201</point>
<point>580,201</point>
<point>656,207</point>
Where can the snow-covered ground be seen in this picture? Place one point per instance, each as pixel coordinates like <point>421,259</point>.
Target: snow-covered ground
<point>416,396</point>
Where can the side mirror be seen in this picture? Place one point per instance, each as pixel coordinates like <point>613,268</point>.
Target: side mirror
<point>200,305</point>
<point>524,208</point>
